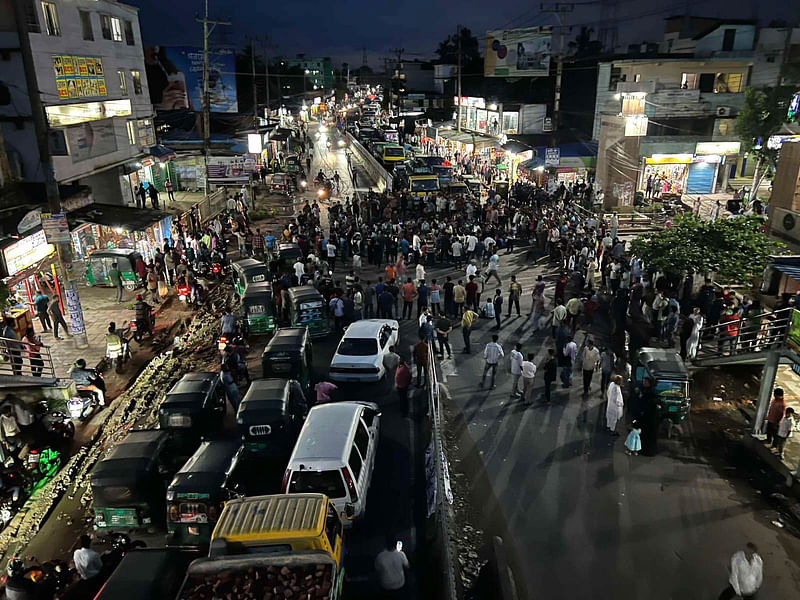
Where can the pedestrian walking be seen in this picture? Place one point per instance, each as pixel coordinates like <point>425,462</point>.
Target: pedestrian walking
<point>402,381</point>
<point>615,405</point>
<point>41,301</point>
<point>550,371</point>
<point>390,565</point>
<point>633,443</point>
<point>153,196</point>
<point>409,292</point>
<point>337,308</point>
<point>591,360</point>
<point>570,354</point>
<point>229,384</point>
<point>421,360</point>
<point>152,284</point>
<point>423,293</point>
<point>57,317</point>
<point>607,361</point>
<point>459,297</point>
<point>115,275</point>
<point>746,574</point>
<point>784,432</point>
<point>493,268</point>
<point>528,369</point>
<point>492,353</point>
<point>443,329</point>
<point>33,346</point>
<point>777,408</point>
<point>514,294</point>
<point>170,191</point>
<point>467,321</point>
<point>516,359</point>
<point>497,307</point>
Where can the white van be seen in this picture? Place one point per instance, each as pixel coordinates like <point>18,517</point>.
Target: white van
<point>335,454</point>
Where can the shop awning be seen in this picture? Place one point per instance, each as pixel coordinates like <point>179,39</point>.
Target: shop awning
<point>111,215</point>
<point>515,146</point>
<point>162,153</point>
<point>788,265</point>
<point>532,163</point>
<point>466,137</point>
<point>280,134</point>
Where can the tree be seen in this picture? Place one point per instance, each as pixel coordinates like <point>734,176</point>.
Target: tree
<point>470,53</point>
<point>763,115</point>
<point>736,249</point>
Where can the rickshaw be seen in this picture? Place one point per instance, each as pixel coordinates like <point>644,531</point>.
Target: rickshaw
<point>281,183</point>
<point>501,189</point>
<point>293,165</point>
<point>456,187</point>
<point>193,408</point>
<point>146,573</point>
<point>270,417</point>
<point>99,264</point>
<point>247,271</point>
<point>670,381</point>
<point>198,492</point>
<point>128,485</point>
<point>288,253</point>
<point>307,308</point>
<point>474,186</point>
<point>258,308</point>
<point>288,356</point>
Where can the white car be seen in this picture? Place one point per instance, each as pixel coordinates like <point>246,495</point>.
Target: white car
<point>359,356</point>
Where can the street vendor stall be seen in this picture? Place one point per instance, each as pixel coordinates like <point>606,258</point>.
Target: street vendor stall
<point>107,227</point>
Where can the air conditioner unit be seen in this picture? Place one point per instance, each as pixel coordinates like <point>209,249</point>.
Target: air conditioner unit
<point>723,111</point>
<point>785,224</point>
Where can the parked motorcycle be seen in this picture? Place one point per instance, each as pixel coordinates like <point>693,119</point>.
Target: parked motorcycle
<point>138,330</point>
<point>55,426</point>
<point>16,486</point>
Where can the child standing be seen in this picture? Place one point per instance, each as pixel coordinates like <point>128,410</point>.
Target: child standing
<point>633,443</point>
<point>784,431</point>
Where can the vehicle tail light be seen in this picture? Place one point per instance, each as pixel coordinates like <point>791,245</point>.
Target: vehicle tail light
<point>285,484</point>
<point>183,290</point>
<point>351,486</point>
<point>215,268</point>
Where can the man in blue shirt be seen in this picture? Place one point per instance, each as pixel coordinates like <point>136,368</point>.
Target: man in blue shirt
<point>422,297</point>
<point>41,302</point>
<point>269,241</point>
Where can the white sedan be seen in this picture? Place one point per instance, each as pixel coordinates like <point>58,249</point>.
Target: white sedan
<point>359,356</point>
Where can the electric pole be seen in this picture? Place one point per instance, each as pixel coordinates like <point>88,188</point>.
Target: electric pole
<point>458,36</point>
<point>255,89</point>
<point>561,10</point>
<point>398,77</point>
<point>206,95</point>
<point>64,249</point>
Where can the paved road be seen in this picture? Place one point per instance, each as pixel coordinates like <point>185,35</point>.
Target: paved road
<point>584,520</point>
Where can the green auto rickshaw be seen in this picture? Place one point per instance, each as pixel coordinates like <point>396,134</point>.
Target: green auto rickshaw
<point>307,308</point>
<point>288,253</point>
<point>198,493</point>
<point>193,408</point>
<point>288,356</point>
<point>247,271</point>
<point>670,381</point>
<point>128,485</point>
<point>98,264</point>
<point>258,308</point>
<point>270,416</point>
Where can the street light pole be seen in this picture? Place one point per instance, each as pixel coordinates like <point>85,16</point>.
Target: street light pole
<point>64,249</point>
<point>458,35</point>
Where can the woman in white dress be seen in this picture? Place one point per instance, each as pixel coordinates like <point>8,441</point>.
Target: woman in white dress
<point>693,344</point>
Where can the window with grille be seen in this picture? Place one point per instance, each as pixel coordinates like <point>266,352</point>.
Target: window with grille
<point>86,25</point>
<point>123,84</point>
<point>51,26</point>
<point>137,82</point>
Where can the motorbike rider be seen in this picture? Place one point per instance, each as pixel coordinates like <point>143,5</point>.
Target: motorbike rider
<point>144,315</point>
<point>18,586</point>
<point>235,363</point>
<point>229,321</point>
<point>88,379</point>
<point>116,337</point>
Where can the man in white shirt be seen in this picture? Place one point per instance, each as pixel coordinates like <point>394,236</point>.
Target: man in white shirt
<point>615,405</point>
<point>591,360</point>
<point>87,562</point>
<point>390,564</point>
<point>528,374</point>
<point>570,354</point>
<point>472,268</point>
<point>299,270</point>
<point>456,249</point>
<point>494,265</point>
<point>492,353</point>
<point>746,576</point>
<point>472,241</point>
<point>516,359</point>
<point>331,248</point>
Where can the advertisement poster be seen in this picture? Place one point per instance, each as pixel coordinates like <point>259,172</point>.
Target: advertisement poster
<point>517,53</point>
<point>175,78</point>
<point>91,139</point>
<point>27,252</point>
<point>552,157</point>
<point>223,169</point>
<point>79,76</point>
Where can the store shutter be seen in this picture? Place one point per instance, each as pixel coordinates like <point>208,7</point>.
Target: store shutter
<point>701,178</point>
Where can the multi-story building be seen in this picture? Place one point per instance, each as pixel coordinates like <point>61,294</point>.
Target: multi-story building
<point>90,77</point>
<point>318,71</point>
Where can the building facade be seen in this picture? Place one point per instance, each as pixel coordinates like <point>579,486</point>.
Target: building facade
<point>318,71</point>
<point>90,76</point>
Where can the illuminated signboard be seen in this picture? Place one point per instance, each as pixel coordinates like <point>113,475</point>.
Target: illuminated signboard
<point>26,252</point>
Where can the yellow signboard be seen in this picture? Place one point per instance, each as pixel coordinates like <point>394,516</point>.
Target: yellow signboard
<point>79,76</point>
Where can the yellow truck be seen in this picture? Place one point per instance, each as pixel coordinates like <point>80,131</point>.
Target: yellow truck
<point>265,545</point>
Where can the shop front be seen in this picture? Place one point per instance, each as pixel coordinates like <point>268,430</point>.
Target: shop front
<point>28,266</point>
<point>154,169</point>
<point>105,227</point>
<point>667,173</point>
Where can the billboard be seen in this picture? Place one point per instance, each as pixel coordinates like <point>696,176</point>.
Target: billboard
<point>175,78</point>
<point>91,139</point>
<point>79,76</point>
<point>517,53</point>
<point>231,169</point>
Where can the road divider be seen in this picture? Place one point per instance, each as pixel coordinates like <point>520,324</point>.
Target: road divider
<point>374,169</point>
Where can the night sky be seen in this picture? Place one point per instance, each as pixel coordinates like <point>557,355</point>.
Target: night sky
<point>341,28</point>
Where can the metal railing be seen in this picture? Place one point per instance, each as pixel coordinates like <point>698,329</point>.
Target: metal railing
<point>752,334</point>
<point>444,495</point>
<point>19,358</point>
<point>208,208</point>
